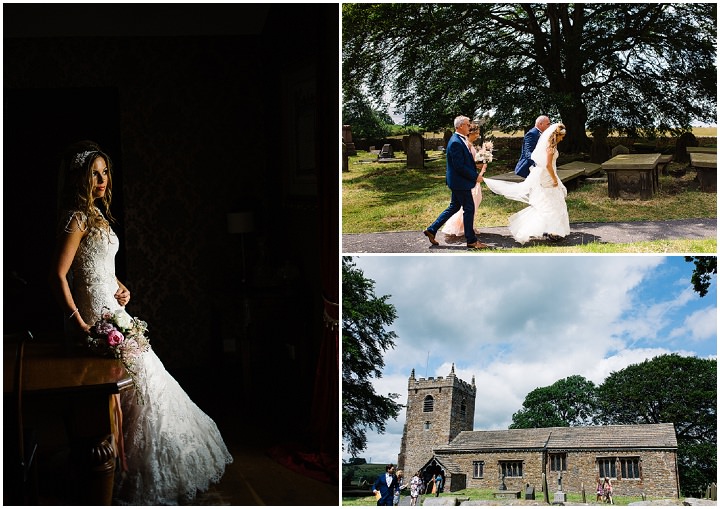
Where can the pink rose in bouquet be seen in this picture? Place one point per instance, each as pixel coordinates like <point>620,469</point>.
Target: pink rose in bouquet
<point>121,336</point>
<point>115,337</point>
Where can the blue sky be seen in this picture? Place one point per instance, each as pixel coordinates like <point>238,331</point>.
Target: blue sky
<point>531,320</point>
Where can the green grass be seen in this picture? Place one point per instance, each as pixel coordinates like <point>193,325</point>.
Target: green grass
<point>656,246</point>
<point>382,197</point>
<point>478,494</point>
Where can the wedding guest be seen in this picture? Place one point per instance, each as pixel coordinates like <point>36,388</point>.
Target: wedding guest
<point>439,481</point>
<point>530,140</point>
<point>385,486</point>
<point>416,486</point>
<point>454,225</point>
<point>608,490</point>
<point>461,176</point>
<point>400,486</point>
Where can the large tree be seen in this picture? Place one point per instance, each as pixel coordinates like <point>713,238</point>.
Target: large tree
<point>676,389</point>
<point>568,402</point>
<point>631,67</point>
<point>364,341</point>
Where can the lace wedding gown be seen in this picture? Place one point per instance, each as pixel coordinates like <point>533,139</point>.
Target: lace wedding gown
<point>547,212</point>
<point>173,449</point>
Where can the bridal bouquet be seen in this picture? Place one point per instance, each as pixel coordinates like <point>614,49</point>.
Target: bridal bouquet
<point>119,335</point>
<point>484,153</point>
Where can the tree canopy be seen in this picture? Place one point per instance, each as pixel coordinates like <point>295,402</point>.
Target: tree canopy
<point>705,267</point>
<point>670,388</point>
<point>567,402</point>
<point>364,341</point>
<point>647,67</point>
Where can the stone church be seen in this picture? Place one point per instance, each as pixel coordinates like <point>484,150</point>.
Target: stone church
<point>438,437</point>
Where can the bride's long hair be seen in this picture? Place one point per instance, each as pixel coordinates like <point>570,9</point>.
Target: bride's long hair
<point>75,184</point>
<point>548,140</point>
<point>559,128</point>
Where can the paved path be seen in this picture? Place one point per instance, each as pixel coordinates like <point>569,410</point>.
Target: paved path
<point>499,237</point>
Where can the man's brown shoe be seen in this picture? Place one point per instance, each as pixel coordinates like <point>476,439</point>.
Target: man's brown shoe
<point>430,235</point>
<point>477,245</point>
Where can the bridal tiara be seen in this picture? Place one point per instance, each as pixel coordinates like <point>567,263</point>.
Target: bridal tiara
<point>79,159</point>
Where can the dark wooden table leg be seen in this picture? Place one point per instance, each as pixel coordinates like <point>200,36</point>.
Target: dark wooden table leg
<point>90,432</point>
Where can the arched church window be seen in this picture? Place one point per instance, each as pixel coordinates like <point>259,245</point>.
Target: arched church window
<point>428,404</point>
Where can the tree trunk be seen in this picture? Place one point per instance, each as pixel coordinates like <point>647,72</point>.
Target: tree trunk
<point>576,140</point>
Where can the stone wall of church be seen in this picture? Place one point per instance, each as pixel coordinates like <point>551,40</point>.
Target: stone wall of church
<point>658,472</point>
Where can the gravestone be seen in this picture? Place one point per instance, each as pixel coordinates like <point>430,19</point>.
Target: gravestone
<point>344,157</point>
<point>560,496</point>
<point>415,151</point>
<point>529,493</point>
<point>347,139</point>
<point>619,149</point>
<point>386,152</point>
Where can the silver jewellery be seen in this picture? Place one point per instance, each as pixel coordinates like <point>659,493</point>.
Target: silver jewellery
<point>79,160</point>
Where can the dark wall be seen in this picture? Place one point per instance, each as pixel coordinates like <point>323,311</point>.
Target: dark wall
<point>195,117</point>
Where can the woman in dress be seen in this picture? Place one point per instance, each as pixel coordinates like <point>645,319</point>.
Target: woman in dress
<point>172,449</point>
<point>415,488</point>
<point>454,225</point>
<point>547,215</point>
<point>608,490</point>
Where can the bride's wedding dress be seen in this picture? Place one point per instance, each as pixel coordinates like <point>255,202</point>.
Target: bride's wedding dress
<point>173,449</point>
<point>547,211</point>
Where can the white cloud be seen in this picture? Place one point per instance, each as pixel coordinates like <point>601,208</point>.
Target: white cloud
<point>520,322</point>
<point>699,326</point>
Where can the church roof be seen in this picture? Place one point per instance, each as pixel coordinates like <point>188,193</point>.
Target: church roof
<point>446,463</point>
<point>618,437</point>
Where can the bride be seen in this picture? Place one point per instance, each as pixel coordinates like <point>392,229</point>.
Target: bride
<point>547,215</point>
<point>172,449</point>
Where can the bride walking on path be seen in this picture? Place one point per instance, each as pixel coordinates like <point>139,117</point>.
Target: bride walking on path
<point>547,215</point>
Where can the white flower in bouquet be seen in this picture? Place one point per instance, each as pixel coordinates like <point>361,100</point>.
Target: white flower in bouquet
<point>484,153</point>
<point>122,319</point>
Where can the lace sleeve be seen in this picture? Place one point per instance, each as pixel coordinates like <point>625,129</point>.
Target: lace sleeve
<point>76,221</point>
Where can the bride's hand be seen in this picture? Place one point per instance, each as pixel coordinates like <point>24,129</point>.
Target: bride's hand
<point>122,296</point>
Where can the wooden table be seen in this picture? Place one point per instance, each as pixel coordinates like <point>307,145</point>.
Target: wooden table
<point>77,386</point>
<point>706,166</point>
<point>632,176</point>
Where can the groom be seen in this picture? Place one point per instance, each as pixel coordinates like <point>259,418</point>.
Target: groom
<point>461,177</point>
<point>530,140</point>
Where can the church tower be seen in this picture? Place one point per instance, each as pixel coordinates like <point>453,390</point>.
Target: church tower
<point>437,410</point>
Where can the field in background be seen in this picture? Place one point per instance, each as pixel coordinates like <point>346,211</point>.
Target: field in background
<point>699,132</point>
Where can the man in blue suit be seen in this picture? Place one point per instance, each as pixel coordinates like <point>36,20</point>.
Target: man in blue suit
<point>386,484</point>
<point>461,175</point>
<point>523,166</point>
